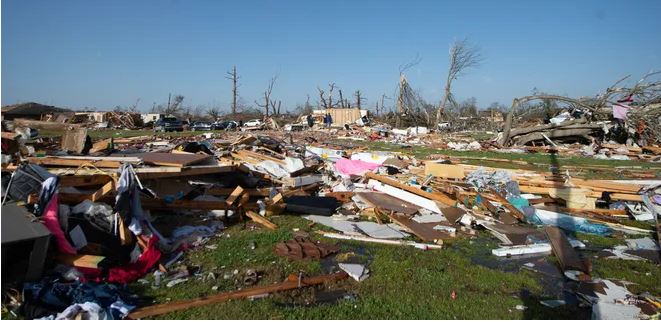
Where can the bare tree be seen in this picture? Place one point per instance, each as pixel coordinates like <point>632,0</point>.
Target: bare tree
<point>359,98</point>
<point>234,77</point>
<point>173,106</point>
<point>463,56</point>
<point>327,102</point>
<point>214,113</point>
<point>267,97</point>
<point>134,108</point>
<point>199,112</point>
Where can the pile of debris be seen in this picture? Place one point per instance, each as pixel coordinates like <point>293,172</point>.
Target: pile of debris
<point>95,216</point>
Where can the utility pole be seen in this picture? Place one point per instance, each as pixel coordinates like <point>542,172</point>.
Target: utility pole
<point>233,76</point>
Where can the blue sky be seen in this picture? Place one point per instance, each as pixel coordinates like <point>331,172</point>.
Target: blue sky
<point>107,53</point>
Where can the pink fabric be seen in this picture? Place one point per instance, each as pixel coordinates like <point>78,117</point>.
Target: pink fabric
<point>53,224</point>
<point>133,271</point>
<point>620,111</point>
<point>354,167</point>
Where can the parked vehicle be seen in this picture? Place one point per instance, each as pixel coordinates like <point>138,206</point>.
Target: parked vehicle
<point>253,123</point>
<point>224,125</point>
<point>168,124</point>
<point>201,126</point>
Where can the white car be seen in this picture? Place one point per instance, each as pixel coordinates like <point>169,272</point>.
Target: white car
<point>253,123</point>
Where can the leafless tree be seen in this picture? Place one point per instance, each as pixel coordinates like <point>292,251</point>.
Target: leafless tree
<point>463,56</point>
<point>173,106</point>
<point>199,112</point>
<point>214,113</point>
<point>134,108</point>
<point>359,98</point>
<point>341,99</point>
<point>327,102</point>
<point>234,77</point>
<point>267,97</point>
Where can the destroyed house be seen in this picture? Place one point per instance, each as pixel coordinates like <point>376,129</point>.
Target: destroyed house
<point>31,110</point>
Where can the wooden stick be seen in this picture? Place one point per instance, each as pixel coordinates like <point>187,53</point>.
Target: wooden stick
<point>290,284</point>
<point>261,220</point>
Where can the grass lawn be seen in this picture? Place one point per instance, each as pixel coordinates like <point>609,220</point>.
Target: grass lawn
<point>405,283</point>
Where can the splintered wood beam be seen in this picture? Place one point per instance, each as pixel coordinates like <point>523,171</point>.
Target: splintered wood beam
<point>436,196</point>
<point>104,190</point>
<point>234,196</point>
<point>261,220</point>
<point>291,283</point>
<point>61,162</point>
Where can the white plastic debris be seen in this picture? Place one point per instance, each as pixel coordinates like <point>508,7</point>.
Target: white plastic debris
<point>357,271</point>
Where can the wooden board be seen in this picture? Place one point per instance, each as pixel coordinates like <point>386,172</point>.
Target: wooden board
<point>87,261</point>
<point>451,171</point>
<point>234,196</point>
<point>423,231</point>
<point>563,250</point>
<point>261,220</point>
<point>385,201</point>
<point>61,162</point>
<point>173,159</point>
<point>437,196</point>
<point>290,284</point>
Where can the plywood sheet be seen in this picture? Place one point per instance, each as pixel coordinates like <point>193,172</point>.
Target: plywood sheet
<point>388,202</point>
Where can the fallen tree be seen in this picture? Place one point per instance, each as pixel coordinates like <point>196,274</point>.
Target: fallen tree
<point>643,118</point>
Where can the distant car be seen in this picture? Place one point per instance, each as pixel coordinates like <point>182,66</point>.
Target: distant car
<point>253,123</point>
<point>224,125</point>
<point>168,124</point>
<point>201,126</point>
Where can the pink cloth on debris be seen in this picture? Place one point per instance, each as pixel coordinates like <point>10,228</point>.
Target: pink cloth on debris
<point>354,167</point>
<point>53,224</point>
<point>620,111</point>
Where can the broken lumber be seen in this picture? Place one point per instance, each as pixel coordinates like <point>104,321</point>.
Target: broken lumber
<point>437,196</point>
<point>563,250</point>
<point>291,283</point>
<point>383,241</point>
<point>261,220</point>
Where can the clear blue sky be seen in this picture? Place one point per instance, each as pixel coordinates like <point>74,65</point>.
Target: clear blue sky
<point>107,53</point>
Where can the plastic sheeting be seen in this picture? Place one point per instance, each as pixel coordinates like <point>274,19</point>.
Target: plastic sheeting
<point>354,167</point>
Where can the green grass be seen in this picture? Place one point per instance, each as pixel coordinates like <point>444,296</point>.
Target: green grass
<point>405,283</point>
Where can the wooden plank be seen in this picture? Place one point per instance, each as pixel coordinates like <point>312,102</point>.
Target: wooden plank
<point>261,220</point>
<point>100,146</point>
<point>438,196</point>
<point>385,201</point>
<point>88,261</point>
<point>234,196</point>
<point>617,196</point>
<point>423,231</point>
<point>342,196</point>
<point>451,171</point>
<point>62,162</point>
<point>83,181</point>
<point>255,192</point>
<point>513,210</point>
<point>184,172</point>
<point>290,284</point>
<point>104,190</point>
<point>173,159</point>
<point>563,250</point>
<point>276,199</point>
